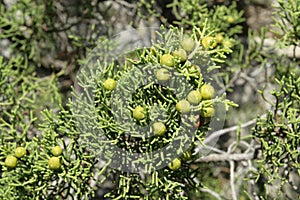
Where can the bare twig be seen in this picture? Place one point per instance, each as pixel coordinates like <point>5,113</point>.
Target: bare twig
<point>231,157</point>
<point>232,178</point>
<point>126,4</point>
<point>290,51</point>
<point>231,82</point>
<point>252,81</point>
<point>211,193</point>
<point>207,190</point>
<point>226,157</point>
<point>211,148</point>
<point>219,133</point>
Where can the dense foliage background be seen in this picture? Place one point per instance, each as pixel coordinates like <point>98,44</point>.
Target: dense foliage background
<point>43,44</point>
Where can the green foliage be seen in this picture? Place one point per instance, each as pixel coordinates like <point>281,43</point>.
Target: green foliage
<point>137,87</point>
<point>287,22</point>
<point>221,19</point>
<point>278,132</point>
<point>32,178</point>
<point>24,24</point>
<point>46,40</point>
<point>23,96</point>
<point>148,8</point>
<point>48,33</point>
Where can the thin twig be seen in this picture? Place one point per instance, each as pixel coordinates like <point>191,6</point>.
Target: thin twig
<point>219,133</point>
<point>291,51</point>
<point>232,178</point>
<point>124,3</point>
<point>226,157</point>
<point>231,82</point>
<point>211,193</point>
<point>207,190</point>
<point>213,149</point>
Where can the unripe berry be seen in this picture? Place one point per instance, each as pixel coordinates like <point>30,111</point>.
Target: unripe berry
<point>207,112</point>
<point>188,44</point>
<point>209,42</point>
<point>167,59</point>
<point>54,163</point>
<point>110,84</point>
<point>11,161</point>
<point>56,151</point>
<point>138,113</point>
<point>162,74</point>
<point>20,152</point>
<point>194,97</point>
<point>159,128</point>
<point>183,106</point>
<point>180,54</point>
<point>207,91</point>
<point>175,164</point>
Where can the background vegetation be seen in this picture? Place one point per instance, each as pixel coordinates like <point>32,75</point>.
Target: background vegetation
<point>44,43</point>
